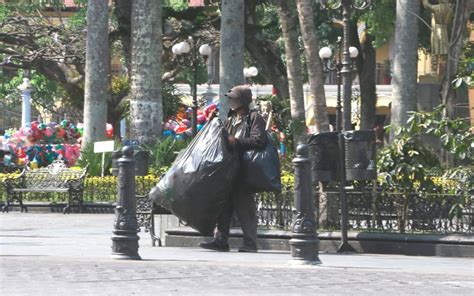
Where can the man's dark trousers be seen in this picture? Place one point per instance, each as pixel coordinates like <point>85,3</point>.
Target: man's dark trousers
<point>243,202</point>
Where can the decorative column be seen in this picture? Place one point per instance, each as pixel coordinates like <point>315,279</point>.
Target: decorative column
<point>125,238</point>
<point>25,89</point>
<point>304,242</point>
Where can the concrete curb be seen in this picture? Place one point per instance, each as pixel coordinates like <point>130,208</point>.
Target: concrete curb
<point>451,245</point>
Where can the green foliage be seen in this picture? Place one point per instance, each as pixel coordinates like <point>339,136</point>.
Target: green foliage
<point>465,76</point>
<point>120,85</point>
<point>177,5</point>
<point>94,160</point>
<point>455,134</point>
<point>78,19</point>
<point>44,92</point>
<point>380,21</point>
<point>163,153</point>
<point>406,164</point>
<point>171,101</point>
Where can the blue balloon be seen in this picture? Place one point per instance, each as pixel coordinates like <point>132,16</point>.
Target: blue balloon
<point>179,137</point>
<point>199,126</point>
<point>167,133</point>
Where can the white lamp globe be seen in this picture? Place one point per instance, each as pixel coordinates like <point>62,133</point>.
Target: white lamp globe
<point>184,47</point>
<point>175,49</point>
<point>325,53</point>
<point>253,71</point>
<point>205,50</point>
<point>353,52</point>
<point>246,72</point>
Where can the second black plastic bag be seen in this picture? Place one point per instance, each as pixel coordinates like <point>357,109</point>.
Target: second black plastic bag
<point>199,182</point>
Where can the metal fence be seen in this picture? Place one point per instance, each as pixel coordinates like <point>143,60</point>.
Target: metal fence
<point>377,211</point>
<point>9,118</point>
<point>368,210</point>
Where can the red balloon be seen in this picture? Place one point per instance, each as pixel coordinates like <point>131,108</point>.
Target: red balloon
<point>34,125</point>
<point>209,109</point>
<point>180,129</point>
<point>109,130</point>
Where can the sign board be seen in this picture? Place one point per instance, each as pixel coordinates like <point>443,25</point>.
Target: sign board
<point>103,146</point>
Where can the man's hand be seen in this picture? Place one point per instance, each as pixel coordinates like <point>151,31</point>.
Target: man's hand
<point>232,141</point>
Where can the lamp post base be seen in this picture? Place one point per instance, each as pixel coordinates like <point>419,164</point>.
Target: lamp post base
<point>345,248</point>
<point>304,250</point>
<point>125,247</point>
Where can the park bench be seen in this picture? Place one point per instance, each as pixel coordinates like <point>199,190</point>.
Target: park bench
<point>146,211</point>
<point>55,178</point>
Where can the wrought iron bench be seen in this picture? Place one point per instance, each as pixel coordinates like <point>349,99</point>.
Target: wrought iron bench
<point>146,210</point>
<point>54,178</point>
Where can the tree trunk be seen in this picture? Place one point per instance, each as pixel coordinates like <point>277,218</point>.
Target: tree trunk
<point>146,109</point>
<point>97,71</point>
<point>457,40</point>
<point>123,9</point>
<point>231,50</point>
<point>366,66</point>
<point>313,63</point>
<point>288,21</point>
<point>405,63</point>
<point>265,53</point>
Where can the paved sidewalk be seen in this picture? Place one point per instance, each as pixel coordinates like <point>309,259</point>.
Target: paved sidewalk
<point>55,254</point>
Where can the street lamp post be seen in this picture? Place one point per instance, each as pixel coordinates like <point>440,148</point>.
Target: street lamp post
<point>26,90</point>
<point>345,68</point>
<point>205,50</point>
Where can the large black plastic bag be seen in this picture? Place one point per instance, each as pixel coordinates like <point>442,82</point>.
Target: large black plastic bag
<point>199,182</point>
<point>262,168</point>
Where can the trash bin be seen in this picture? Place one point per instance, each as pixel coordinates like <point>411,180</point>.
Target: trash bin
<point>324,155</point>
<point>142,161</point>
<point>360,155</point>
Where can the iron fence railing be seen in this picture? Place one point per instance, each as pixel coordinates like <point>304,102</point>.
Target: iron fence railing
<point>368,210</point>
<point>377,211</point>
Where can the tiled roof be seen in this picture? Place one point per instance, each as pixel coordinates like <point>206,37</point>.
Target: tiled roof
<point>69,3</point>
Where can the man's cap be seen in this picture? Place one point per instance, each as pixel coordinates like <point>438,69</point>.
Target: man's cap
<point>240,92</point>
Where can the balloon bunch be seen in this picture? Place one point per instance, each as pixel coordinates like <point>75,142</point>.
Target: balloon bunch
<point>64,132</point>
<point>179,126</point>
<point>42,155</point>
<point>41,143</point>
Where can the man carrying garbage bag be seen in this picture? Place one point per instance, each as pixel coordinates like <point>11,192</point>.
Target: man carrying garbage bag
<point>198,184</point>
<point>246,132</point>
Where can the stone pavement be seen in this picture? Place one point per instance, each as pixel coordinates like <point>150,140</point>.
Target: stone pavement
<point>55,254</point>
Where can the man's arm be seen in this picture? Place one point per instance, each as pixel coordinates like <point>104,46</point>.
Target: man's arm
<point>258,135</point>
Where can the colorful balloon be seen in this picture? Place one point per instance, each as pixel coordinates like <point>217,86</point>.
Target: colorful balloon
<point>201,118</point>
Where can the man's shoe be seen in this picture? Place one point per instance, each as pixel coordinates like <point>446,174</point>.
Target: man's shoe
<point>245,249</point>
<point>215,246</point>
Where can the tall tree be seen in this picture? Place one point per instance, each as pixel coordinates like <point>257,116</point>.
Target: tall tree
<point>289,24</point>
<point>97,71</point>
<point>463,10</point>
<point>146,112</point>
<point>231,50</point>
<point>263,50</point>
<point>313,62</point>
<point>366,67</point>
<point>404,80</point>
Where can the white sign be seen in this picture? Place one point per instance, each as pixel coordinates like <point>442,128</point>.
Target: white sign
<point>103,146</point>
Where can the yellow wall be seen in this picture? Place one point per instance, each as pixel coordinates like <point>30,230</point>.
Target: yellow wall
<point>383,53</point>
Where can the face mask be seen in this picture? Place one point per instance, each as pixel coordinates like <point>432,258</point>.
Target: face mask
<point>235,104</point>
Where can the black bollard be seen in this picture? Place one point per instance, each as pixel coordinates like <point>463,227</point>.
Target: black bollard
<point>125,238</point>
<point>304,242</point>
